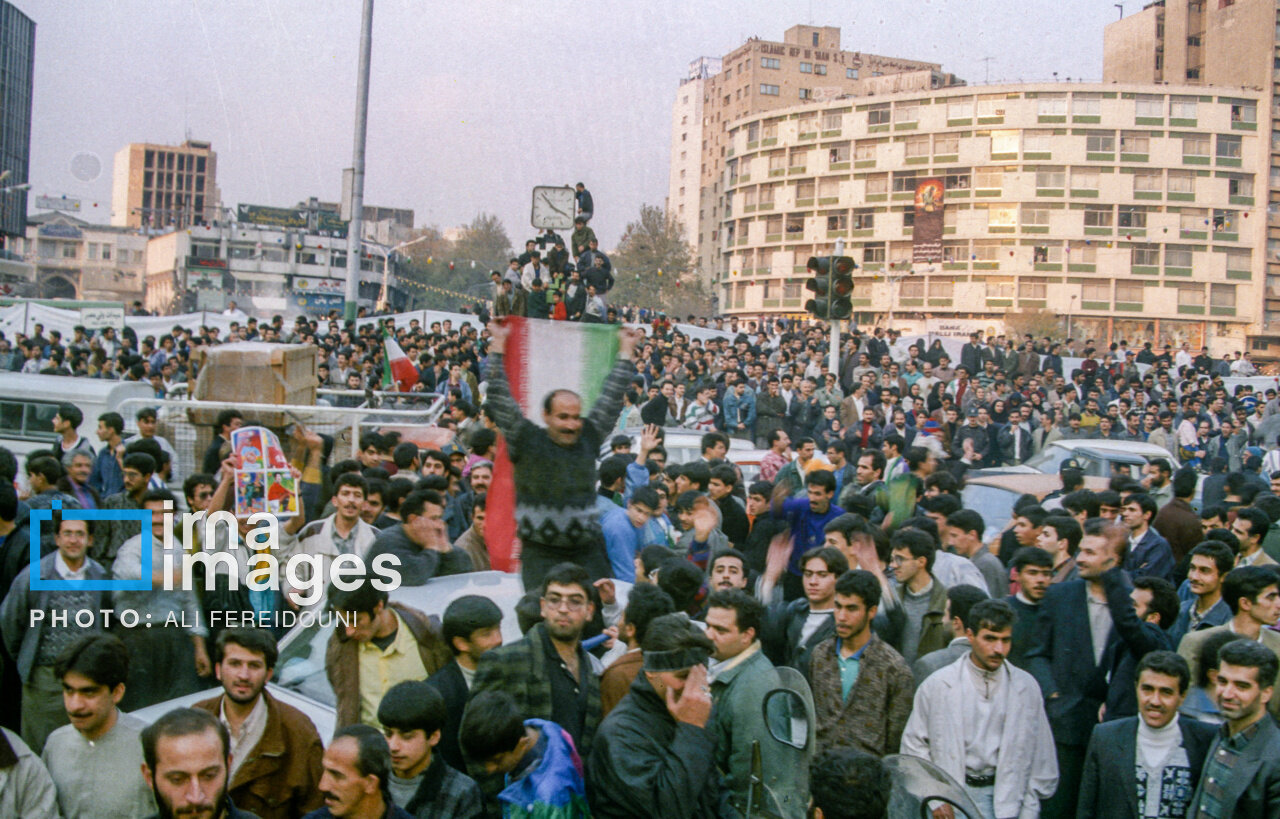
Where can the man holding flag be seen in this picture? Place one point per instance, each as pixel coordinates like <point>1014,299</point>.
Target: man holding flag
<point>555,464</point>
<point>397,368</point>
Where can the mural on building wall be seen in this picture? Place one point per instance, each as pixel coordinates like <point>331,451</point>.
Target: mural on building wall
<point>927,234</point>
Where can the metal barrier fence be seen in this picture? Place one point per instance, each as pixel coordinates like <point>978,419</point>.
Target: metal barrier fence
<point>188,424</point>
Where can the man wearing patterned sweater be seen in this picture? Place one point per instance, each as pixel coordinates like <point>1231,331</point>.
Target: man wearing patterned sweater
<point>555,464</point>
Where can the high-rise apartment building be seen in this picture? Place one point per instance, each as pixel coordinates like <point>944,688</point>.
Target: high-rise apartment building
<point>17,56</point>
<point>1220,45</point>
<point>762,75</point>
<point>165,186</point>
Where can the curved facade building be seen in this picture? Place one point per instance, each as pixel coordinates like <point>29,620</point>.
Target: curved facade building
<point>1139,211</point>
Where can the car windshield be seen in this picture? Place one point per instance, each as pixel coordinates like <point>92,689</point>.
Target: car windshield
<point>301,664</point>
<point>1050,460</point>
<point>994,503</point>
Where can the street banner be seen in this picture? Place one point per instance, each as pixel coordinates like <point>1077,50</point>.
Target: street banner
<point>264,481</point>
<point>927,234</point>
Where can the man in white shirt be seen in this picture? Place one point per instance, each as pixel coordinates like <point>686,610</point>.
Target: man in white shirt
<point>94,761</point>
<point>999,744</point>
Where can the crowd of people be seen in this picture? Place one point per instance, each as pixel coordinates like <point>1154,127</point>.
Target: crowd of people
<point>1110,651</point>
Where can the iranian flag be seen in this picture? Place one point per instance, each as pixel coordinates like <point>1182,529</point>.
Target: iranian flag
<point>397,369</point>
<point>542,356</point>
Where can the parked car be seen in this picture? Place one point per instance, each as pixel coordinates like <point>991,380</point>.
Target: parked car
<point>1103,459</point>
<point>993,495</point>
<point>685,445</point>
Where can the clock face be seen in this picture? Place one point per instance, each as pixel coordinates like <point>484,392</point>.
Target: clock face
<point>553,207</point>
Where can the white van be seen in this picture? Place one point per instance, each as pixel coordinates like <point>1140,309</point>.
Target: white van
<point>29,402</point>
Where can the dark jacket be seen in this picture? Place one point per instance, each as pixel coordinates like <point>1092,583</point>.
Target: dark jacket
<point>875,714</point>
<point>444,793</point>
<point>1024,630</point>
<point>417,565</point>
<point>453,689</point>
<point>1180,525</point>
<point>232,812</point>
<point>15,552</point>
<point>523,670</point>
<point>645,764</point>
<point>1062,662</point>
<point>782,628</point>
<point>393,812</point>
<point>1253,789</point>
<point>733,521</point>
<point>935,634</point>
<point>342,663</point>
<point>1117,674</point>
<point>1109,787</point>
<point>281,777</point>
<point>1152,556</point>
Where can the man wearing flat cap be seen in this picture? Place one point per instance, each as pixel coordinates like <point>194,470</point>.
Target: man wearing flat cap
<point>654,754</point>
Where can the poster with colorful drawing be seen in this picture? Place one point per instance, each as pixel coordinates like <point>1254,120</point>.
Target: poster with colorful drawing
<point>264,482</point>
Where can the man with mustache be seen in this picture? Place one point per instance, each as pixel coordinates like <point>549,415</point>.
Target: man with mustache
<point>357,773</point>
<point>94,761</point>
<point>186,755</point>
<point>999,744</point>
<point>275,749</point>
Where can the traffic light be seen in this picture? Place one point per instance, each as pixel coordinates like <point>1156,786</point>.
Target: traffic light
<point>832,286</point>
<point>842,287</point>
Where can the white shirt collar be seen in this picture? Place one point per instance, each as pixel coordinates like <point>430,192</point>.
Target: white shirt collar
<point>66,572</point>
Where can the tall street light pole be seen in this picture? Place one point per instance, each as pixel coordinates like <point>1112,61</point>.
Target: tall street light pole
<point>355,230</point>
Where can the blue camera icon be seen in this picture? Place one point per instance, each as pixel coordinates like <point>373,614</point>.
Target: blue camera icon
<point>43,516</point>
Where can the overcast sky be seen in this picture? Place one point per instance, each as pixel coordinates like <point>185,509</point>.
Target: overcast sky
<point>472,103</point>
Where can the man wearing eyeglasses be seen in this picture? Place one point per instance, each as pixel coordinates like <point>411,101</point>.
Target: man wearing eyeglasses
<point>547,672</point>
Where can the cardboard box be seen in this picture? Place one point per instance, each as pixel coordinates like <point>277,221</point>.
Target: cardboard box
<point>253,372</point>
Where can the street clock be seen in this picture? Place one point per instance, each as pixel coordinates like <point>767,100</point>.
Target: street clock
<point>553,207</point>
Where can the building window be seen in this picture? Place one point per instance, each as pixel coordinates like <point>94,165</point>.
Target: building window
<point>940,288</point>
<point>991,105</point>
<point>1051,176</point>
<point>805,94</point>
<point>877,183</point>
<point>989,179</point>
<point>1191,295</point>
<point>1038,217</point>
<point>806,68</point>
<point>1145,255</point>
<point>1244,112</point>
<point>1182,182</point>
<point>820,69</point>
<point>1224,221</point>
<point>873,253</point>
<point>1177,256</point>
<point>878,115</point>
<point>1228,146</point>
<point>69,251</point>
<point>1149,105</point>
<point>906,112</point>
<point>829,187</point>
<point>1095,291</point>
<point>1193,219</point>
<point>917,146</point>
<point>768,90</point>
<point>956,181</point>
<point>770,62</point>
<point>838,221</point>
<point>753,132</point>
<point>944,144</point>
<point>864,149</point>
<point>1131,216</point>
<point>851,73</point>
<point>1147,182</point>
<point>1195,146</point>
<point>1085,179</point>
<point>1002,215</point>
<point>1182,107</point>
<point>1052,105</point>
<point>832,121</point>
<point>1086,105</point>
<point>904,182</point>
<point>1004,142</point>
<point>1031,287</point>
<point>1239,259</point>
<point>1037,141</point>
<point>838,153</point>
<point>1102,142</point>
<point>864,219</point>
<point>805,189</point>
<point>960,108</point>
<point>1135,142</point>
<point>771,129</point>
<point>1098,216</point>
<point>986,251</point>
<point>1222,295</point>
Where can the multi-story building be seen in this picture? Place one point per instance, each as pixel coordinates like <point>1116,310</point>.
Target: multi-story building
<point>1132,209</point>
<point>163,186</point>
<point>1228,44</point>
<point>17,57</point>
<point>760,75</point>
<point>74,259</point>
<point>282,262</point>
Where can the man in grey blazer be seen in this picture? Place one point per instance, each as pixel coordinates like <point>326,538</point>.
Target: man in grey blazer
<point>1146,765</point>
